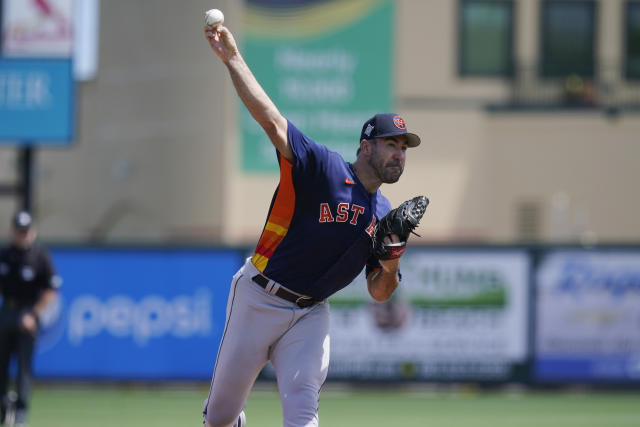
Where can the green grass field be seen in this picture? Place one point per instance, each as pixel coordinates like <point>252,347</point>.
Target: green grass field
<point>164,406</point>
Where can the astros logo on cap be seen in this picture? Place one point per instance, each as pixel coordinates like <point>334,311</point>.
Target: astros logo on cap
<point>399,122</point>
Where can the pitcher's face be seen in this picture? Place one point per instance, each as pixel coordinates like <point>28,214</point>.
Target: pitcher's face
<point>387,158</point>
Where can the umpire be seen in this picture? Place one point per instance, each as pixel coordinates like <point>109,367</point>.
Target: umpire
<point>28,285</point>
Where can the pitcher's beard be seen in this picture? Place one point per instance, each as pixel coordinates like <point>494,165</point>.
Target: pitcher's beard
<point>391,173</point>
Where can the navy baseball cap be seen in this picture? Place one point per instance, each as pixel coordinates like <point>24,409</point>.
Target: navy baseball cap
<point>388,124</point>
<point>22,220</point>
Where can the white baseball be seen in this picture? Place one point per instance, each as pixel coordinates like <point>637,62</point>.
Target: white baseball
<point>214,17</point>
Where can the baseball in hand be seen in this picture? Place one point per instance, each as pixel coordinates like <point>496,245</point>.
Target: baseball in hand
<point>214,17</point>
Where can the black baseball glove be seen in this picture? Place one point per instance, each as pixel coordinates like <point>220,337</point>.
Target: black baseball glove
<point>401,221</point>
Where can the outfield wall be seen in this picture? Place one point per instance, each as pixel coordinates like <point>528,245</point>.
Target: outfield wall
<point>486,314</point>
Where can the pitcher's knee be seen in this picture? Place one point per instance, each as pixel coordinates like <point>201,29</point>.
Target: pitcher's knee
<point>300,407</point>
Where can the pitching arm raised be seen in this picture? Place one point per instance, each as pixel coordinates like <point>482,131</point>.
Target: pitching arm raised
<point>262,109</point>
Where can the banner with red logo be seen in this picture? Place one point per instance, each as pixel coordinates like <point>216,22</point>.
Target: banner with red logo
<point>37,28</point>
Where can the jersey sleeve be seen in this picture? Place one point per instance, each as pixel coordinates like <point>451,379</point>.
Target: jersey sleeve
<point>308,153</point>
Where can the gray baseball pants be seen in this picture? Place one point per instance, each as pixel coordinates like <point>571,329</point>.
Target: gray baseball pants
<point>262,327</point>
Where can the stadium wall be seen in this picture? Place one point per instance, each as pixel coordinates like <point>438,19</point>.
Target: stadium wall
<point>487,314</point>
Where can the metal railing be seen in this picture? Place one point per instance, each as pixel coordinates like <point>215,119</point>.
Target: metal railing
<point>608,89</point>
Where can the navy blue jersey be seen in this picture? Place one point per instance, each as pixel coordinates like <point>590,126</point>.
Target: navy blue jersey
<point>317,237</point>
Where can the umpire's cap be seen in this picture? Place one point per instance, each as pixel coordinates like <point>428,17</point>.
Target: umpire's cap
<point>388,124</point>
<point>22,220</point>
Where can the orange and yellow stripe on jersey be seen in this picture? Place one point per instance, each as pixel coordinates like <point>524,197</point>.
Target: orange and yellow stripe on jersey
<point>278,219</point>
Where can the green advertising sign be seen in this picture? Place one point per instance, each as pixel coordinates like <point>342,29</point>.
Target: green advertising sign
<point>325,64</point>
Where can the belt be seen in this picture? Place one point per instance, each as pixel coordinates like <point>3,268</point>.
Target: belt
<point>300,300</point>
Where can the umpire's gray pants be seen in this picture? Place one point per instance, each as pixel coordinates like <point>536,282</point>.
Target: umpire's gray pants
<point>262,327</point>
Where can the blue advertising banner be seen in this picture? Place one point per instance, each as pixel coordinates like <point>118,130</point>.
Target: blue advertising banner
<point>588,316</point>
<point>37,101</point>
<point>136,313</point>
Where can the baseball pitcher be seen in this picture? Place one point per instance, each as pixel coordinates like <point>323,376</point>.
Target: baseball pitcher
<point>325,224</point>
